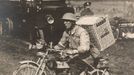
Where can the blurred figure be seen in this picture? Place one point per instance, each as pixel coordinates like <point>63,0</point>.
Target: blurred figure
<point>37,39</point>
<point>1,29</point>
<point>77,11</point>
<point>10,25</point>
<point>86,10</point>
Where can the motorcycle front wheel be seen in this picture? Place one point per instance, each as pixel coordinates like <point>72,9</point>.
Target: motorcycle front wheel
<point>29,69</point>
<point>26,69</point>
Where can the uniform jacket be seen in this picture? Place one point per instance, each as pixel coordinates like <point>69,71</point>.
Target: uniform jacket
<point>76,39</point>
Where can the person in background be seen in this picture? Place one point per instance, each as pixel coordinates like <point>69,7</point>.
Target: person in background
<point>75,40</point>
<point>86,10</point>
<point>37,40</point>
<point>10,25</point>
<point>1,29</point>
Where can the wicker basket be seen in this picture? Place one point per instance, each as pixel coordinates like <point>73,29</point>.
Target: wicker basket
<point>99,30</point>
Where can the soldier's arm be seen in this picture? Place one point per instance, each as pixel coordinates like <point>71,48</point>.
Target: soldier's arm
<point>84,42</point>
<point>62,42</point>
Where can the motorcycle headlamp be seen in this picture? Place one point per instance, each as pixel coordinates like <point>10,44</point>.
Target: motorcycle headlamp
<point>50,19</point>
<point>29,0</point>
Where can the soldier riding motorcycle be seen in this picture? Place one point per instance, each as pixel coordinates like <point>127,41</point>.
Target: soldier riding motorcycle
<point>74,44</point>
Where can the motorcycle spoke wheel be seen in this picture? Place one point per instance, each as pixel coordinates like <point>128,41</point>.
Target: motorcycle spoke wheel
<point>101,73</point>
<point>26,69</point>
<point>47,71</point>
<point>106,73</point>
<point>83,73</point>
<point>97,72</point>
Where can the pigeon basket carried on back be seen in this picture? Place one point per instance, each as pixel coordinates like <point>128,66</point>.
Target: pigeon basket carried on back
<point>99,30</point>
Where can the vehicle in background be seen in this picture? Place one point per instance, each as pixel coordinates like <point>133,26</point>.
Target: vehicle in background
<point>38,19</point>
<point>122,28</point>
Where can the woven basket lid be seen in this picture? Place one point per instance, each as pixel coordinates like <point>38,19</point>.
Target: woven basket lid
<point>89,20</point>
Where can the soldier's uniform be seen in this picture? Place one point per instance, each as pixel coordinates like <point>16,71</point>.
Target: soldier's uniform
<point>76,39</point>
<point>86,10</point>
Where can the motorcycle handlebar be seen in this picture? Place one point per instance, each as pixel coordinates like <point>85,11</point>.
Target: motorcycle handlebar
<point>53,50</point>
<point>63,53</point>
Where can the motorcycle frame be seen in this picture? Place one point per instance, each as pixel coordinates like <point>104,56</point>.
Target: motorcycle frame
<point>94,70</point>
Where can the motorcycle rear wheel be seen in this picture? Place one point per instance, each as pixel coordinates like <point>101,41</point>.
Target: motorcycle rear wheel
<point>95,73</point>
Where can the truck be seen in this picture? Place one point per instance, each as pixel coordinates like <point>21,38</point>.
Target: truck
<point>39,19</point>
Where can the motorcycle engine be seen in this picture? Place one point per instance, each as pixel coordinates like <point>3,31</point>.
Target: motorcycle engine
<point>102,63</point>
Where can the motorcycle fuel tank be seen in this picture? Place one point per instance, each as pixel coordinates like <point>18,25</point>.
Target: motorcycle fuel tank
<point>62,64</point>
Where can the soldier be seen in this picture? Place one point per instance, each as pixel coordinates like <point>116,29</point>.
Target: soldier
<point>75,40</point>
<point>86,10</point>
<point>74,37</point>
<point>1,29</point>
<point>10,24</point>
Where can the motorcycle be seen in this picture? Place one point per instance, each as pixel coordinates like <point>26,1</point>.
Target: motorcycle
<point>46,65</point>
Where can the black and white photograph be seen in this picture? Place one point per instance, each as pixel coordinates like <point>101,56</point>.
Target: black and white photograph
<point>66,37</point>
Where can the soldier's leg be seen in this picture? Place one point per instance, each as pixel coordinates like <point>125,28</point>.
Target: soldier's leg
<point>77,66</point>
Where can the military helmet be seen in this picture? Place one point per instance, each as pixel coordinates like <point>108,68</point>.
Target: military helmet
<point>87,4</point>
<point>69,16</point>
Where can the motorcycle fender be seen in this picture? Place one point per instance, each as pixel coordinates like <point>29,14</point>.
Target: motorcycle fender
<point>29,62</point>
<point>62,64</point>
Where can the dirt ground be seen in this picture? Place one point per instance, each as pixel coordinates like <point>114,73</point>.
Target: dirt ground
<point>13,50</point>
<point>121,54</point>
<point>121,57</point>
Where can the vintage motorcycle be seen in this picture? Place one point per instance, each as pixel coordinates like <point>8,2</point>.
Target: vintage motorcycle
<point>46,66</point>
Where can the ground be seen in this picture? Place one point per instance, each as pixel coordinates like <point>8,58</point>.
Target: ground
<point>121,57</point>
<point>14,50</point>
<point>121,54</point>
<point>11,52</point>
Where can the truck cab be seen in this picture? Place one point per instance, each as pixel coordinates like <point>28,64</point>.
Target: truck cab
<point>41,19</point>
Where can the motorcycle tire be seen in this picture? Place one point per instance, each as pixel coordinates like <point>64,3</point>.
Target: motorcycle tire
<point>29,69</point>
<point>25,69</point>
<point>99,72</point>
